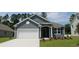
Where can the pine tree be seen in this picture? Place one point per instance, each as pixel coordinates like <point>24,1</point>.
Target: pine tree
<point>77,28</point>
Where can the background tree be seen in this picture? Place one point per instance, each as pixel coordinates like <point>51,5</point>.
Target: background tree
<point>72,17</point>
<point>77,28</point>
<point>14,19</point>
<point>23,16</point>
<point>67,29</point>
<point>6,17</point>
<point>0,19</point>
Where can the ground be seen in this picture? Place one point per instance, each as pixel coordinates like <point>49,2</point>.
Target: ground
<point>21,43</point>
<point>8,42</point>
<point>4,39</point>
<point>74,42</point>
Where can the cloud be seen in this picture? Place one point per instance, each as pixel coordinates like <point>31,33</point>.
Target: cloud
<point>55,16</point>
<point>59,17</point>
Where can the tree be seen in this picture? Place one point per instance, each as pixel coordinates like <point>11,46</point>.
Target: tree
<point>77,28</point>
<point>0,19</point>
<point>23,16</point>
<point>14,19</point>
<point>6,23</point>
<point>28,15</point>
<point>67,29</point>
<point>18,16</point>
<point>6,16</point>
<point>72,17</point>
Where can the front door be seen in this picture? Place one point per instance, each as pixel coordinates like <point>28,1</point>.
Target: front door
<point>45,32</point>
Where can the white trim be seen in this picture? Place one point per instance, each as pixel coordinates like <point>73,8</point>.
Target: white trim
<point>46,23</point>
<point>26,19</point>
<point>51,32</point>
<point>40,32</point>
<point>57,31</point>
<point>35,22</point>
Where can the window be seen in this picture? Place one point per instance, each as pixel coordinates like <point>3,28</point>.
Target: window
<point>59,30</point>
<point>72,26</point>
<point>54,30</point>
<point>27,22</point>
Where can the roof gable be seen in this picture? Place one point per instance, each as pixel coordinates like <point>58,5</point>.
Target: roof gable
<point>27,24</point>
<point>56,25</point>
<point>16,25</point>
<point>40,19</point>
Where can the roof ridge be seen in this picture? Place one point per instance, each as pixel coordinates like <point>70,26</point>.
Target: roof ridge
<point>25,20</point>
<point>40,17</point>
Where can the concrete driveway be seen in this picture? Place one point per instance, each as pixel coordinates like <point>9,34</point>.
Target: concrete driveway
<point>21,43</point>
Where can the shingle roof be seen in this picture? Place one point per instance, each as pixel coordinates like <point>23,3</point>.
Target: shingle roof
<point>5,28</point>
<point>43,21</point>
<point>56,25</point>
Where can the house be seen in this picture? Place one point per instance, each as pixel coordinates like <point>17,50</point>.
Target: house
<point>5,31</point>
<point>74,22</point>
<point>36,27</point>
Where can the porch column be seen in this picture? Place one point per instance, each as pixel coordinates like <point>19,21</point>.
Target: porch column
<point>51,32</point>
<point>15,33</point>
<point>40,32</point>
<point>57,30</point>
<point>63,31</point>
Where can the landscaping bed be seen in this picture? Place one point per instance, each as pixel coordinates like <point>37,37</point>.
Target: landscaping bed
<point>74,42</point>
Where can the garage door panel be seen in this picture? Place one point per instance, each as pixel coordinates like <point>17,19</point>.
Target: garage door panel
<point>27,34</point>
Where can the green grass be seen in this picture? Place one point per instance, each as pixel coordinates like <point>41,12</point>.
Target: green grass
<point>4,39</point>
<point>60,43</point>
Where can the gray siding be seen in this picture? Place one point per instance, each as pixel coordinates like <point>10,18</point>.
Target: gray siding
<point>5,33</point>
<point>2,33</point>
<point>30,25</point>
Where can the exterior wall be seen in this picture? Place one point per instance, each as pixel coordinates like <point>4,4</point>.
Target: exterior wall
<point>73,27</point>
<point>58,32</point>
<point>2,33</point>
<point>6,34</point>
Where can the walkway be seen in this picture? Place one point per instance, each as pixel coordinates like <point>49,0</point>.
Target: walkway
<point>21,43</point>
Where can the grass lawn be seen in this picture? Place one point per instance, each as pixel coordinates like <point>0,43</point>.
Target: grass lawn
<point>60,43</point>
<point>4,39</point>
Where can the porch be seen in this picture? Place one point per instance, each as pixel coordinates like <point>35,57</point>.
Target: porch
<point>51,32</point>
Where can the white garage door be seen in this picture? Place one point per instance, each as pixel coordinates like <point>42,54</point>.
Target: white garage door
<point>27,33</point>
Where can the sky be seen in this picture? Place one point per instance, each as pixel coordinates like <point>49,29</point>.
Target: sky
<point>58,17</point>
